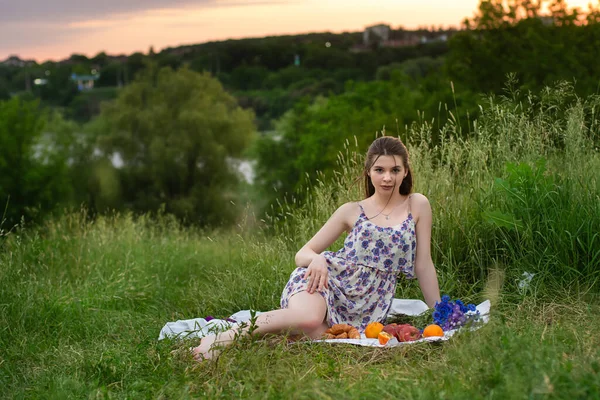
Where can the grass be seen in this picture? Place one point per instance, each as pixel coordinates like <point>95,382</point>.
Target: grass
<point>82,306</point>
<point>82,301</point>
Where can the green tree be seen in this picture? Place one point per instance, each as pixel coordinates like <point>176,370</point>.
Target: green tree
<point>135,63</point>
<point>562,14</point>
<point>540,51</point>
<point>33,172</point>
<point>100,59</point>
<point>415,68</point>
<point>248,77</point>
<point>495,14</point>
<point>176,133</point>
<point>309,138</point>
<point>530,8</point>
<point>492,15</point>
<point>111,74</point>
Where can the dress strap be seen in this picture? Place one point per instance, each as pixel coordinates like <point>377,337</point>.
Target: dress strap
<point>362,210</point>
<point>361,217</point>
<point>409,210</point>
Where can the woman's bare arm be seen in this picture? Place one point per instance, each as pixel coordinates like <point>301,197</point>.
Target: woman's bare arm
<point>331,230</point>
<point>424,268</point>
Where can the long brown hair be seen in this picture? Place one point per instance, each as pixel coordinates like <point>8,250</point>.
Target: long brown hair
<point>387,146</point>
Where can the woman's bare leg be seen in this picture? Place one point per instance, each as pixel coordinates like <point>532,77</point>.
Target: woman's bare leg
<point>317,333</point>
<point>306,312</point>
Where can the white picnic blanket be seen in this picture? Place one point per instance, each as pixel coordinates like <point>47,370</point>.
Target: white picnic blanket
<point>200,327</point>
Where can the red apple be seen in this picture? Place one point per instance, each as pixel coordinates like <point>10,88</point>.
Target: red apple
<point>408,333</point>
<point>390,328</point>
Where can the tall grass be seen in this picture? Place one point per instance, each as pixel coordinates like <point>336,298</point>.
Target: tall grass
<point>82,301</point>
<point>520,193</point>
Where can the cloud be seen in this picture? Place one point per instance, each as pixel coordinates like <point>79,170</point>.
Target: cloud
<point>70,11</point>
<point>44,29</point>
<point>14,35</point>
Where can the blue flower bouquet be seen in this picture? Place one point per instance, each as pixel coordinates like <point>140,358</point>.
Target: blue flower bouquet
<point>454,314</point>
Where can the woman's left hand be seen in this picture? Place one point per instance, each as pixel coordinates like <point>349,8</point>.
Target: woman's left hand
<point>316,273</point>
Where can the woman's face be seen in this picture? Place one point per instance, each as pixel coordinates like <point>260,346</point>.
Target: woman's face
<point>387,173</point>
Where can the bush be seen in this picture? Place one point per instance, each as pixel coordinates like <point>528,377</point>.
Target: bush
<point>33,175</point>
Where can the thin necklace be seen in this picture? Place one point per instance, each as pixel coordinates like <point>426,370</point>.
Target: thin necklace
<point>387,216</point>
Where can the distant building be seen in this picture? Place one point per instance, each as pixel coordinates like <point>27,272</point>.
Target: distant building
<point>383,36</point>
<point>407,40</point>
<point>547,20</point>
<point>84,82</point>
<point>439,37</point>
<point>376,34</point>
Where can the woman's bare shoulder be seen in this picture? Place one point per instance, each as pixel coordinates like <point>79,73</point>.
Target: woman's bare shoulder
<point>349,213</point>
<point>349,209</point>
<point>418,199</point>
<point>419,205</point>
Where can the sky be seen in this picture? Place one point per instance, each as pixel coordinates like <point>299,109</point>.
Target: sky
<point>54,29</point>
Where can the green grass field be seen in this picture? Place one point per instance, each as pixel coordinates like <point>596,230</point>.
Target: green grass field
<point>82,301</point>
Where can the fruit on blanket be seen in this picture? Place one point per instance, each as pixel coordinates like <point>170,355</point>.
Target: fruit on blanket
<point>391,329</point>
<point>384,337</point>
<point>403,332</point>
<point>373,329</point>
<point>341,331</point>
<point>408,333</point>
<point>433,330</point>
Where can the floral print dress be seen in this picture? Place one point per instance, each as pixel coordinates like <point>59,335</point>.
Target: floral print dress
<point>363,274</point>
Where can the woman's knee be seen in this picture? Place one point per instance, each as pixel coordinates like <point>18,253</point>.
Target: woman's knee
<point>311,321</point>
<point>310,308</point>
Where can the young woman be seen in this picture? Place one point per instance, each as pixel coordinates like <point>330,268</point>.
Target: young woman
<point>389,233</point>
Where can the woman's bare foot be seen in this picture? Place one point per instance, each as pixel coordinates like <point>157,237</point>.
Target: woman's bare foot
<point>205,351</point>
<point>211,346</point>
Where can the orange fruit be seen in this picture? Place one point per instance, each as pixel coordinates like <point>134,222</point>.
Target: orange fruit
<point>433,330</point>
<point>373,329</point>
<point>384,337</point>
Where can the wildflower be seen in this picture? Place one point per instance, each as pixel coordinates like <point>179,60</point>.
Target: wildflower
<point>525,281</point>
<point>453,314</point>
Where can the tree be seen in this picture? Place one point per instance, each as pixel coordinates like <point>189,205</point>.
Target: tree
<point>562,15</point>
<point>176,133</point>
<point>539,49</point>
<point>530,8</point>
<point>112,74</point>
<point>135,63</point>
<point>33,176</point>
<point>100,59</point>
<point>492,15</point>
<point>309,138</point>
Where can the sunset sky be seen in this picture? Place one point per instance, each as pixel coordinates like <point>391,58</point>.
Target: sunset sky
<point>55,29</point>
